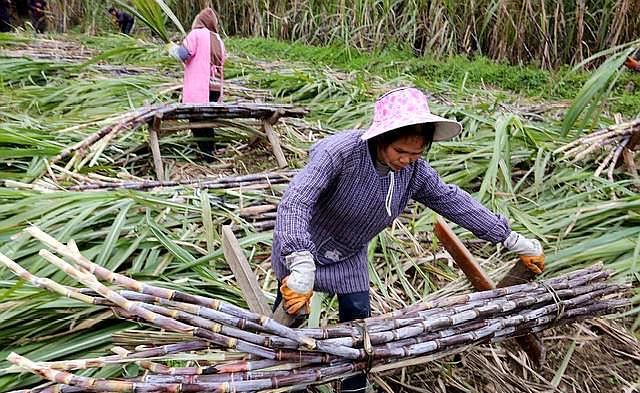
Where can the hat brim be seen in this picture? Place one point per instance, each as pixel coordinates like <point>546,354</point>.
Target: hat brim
<point>445,129</point>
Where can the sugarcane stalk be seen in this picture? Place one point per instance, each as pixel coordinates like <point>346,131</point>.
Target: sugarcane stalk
<point>441,326</point>
<point>598,141</point>
<point>164,350</point>
<point>205,312</point>
<point>154,318</point>
<point>229,182</point>
<point>245,365</point>
<point>604,163</point>
<point>430,309</point>
<point>94,384</point>
<point>134,121</point>
<point>194,320</point>
<point>490,329</point>
<point>616,155</point>
<point>46,283</point>
<point>63,377</point>
<point>160,368</point>
<point>268,323</point>
<point>227,308</point>
<point>620,128</point>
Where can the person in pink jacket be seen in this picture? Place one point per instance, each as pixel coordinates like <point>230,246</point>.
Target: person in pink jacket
<point>203,54</point>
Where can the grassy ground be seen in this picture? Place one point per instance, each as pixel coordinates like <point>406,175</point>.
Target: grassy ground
<point>457,72</point>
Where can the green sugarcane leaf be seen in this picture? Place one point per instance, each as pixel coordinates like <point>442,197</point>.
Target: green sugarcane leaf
<point>594,90</point>
<point>183,255</point>
<point>114,233</point>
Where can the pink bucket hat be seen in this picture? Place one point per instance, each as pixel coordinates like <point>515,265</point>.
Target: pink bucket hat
<point>404,107</point>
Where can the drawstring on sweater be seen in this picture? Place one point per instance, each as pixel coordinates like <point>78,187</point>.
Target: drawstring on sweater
<point>387,202</point>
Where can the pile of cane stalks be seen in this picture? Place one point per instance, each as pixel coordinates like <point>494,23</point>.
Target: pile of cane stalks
<point>255,353</point>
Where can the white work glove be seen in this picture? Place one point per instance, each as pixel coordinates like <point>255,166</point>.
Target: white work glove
<point>529,251</point>
<point>176,51</point>
<point>297,287</point>
<point>519,244</point>
<point>303,271</point>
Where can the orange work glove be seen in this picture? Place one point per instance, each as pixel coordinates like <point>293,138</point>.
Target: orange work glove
<point>293,301</point>
<point>533,263</point>
<point>632,64</point>
<point>529,251</point>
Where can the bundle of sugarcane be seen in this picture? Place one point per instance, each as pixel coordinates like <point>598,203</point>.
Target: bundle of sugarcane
<point>138,117</point>
<point>257,180</point>
<point>615,140</point>
<point>276,356</point>
<point>64,51</point>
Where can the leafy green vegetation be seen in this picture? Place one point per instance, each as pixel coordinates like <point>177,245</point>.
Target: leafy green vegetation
<point>445,74</point>
<point>504,157</point>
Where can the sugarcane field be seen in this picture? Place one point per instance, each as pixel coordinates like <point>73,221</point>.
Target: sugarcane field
<point>369,196</point>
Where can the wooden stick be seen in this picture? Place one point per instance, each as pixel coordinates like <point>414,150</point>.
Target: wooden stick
<point>155,145</point>
<point>274,139</point>
<point>242,271</point>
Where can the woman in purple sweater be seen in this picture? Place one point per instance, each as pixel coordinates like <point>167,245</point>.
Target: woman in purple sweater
<point>355,184</point>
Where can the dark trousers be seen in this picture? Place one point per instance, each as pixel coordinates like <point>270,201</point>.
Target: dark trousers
<point>206,143</point>
<point>354,306</point>
<point>126,26</point>
<point>39,23</point>
<point>5,17</point>
<point>351,306</point>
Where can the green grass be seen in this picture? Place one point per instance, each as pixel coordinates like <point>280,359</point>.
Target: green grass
<point>477,72</point>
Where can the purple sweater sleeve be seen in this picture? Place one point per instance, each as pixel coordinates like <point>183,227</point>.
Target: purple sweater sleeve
<point>458,206</point>
<point>294,211</point>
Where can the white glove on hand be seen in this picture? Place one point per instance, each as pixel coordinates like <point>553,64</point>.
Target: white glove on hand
<point>178,52</point>
<point>522,246</point>
<point>303,271</point>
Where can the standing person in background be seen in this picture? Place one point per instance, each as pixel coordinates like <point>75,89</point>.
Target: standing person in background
<point>203,54</point>
<point>124,20</point>
<point>37,9</point>
<point>5,16</point>
<point>356,184</point>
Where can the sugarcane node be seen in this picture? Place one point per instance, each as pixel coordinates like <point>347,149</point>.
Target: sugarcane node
<point>232,342</point>
<point>310,343</point>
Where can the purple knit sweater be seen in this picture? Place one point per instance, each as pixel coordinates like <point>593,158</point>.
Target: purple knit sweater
<point>336,204</point>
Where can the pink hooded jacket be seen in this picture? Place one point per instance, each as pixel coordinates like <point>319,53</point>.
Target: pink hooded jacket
<point>198,69</point>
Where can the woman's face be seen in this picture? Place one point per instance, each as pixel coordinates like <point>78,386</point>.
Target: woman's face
<point>402,151</point>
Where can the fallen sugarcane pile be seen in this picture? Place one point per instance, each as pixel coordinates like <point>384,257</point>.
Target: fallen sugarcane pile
<point>49,49</point>
<point>257,180</point>
<point>618,141</point>
<point>262,354</point>
<point>137,118</point>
